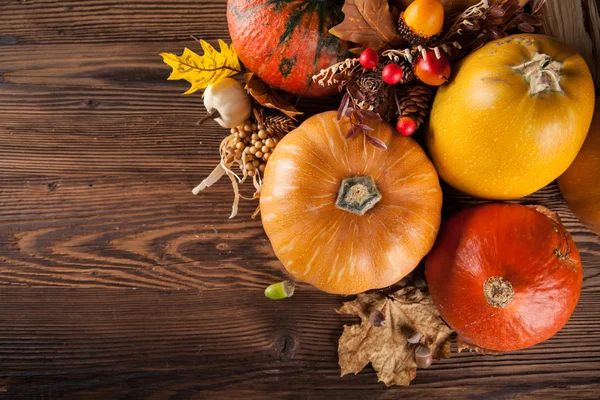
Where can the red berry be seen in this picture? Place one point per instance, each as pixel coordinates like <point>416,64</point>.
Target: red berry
<point>392,74</point>
<point>406,126</point>
<point>369,59</point>
<point>433,71</point>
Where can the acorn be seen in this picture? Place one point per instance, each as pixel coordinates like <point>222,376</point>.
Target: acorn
<point>422,21</point>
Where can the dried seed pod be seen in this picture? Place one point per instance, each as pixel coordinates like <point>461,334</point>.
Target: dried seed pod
<point>280,124</point>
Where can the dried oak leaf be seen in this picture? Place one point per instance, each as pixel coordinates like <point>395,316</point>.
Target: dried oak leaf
<point>267,96</point>
<point>463,345</point>
<point>405,312</point>
<point>369,23</point>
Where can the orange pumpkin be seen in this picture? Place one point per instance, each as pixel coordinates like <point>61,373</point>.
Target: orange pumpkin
<point>286,42</point>
<point>348,217</point>
<point>513,117</point>
<point>580,185</point>
<point>504,276</point>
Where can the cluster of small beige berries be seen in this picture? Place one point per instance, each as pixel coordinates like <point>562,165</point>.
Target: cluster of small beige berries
<point>254,144</point>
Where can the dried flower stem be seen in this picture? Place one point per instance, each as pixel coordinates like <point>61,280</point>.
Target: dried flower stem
<point>331,76</point>
<point>410,54</point>
<point>229,158</point>
<point>476,11</point>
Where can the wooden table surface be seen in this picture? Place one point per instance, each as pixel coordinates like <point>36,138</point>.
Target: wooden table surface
<point>118,283</point>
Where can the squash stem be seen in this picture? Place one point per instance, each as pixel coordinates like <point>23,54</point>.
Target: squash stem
<point>358,195</point>
<point>212,114</point>
<point>498,292</point>
<point>542,73</point>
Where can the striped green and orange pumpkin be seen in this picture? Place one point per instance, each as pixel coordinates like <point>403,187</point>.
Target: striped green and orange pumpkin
<point>286,42</point>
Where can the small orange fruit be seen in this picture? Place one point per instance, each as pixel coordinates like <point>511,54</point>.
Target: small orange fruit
<point>422,20</point>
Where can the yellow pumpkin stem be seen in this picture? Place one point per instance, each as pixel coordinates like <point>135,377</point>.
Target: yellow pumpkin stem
<point>542,73</point>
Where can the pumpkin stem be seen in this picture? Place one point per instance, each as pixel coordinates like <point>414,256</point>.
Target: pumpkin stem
<point>358,195</point>
<point>498,292</point>
<point>212,114</point>
<point>542,73</point>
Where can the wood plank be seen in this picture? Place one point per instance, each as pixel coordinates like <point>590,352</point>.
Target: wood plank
<point>124,232</point>
<point>103,109</point>
<point>101,21</point>
<point>144,343</point>
<point>118,283</point>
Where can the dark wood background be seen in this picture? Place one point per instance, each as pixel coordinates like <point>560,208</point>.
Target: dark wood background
<point>118,283</point>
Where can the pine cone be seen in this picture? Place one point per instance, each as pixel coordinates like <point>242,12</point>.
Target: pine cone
<point>377,93</point>
<point>414,101</point>
<point>379,96</point>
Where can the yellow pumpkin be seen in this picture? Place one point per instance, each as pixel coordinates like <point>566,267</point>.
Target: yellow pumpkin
<point>513,117</point>
<point>580,185</point>
<point>345,216</point>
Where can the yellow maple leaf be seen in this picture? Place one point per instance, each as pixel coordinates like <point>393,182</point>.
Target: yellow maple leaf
<point>204,70</point>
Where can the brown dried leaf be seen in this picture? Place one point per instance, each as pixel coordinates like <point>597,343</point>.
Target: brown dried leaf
<point>406,312</point>
<point>343,106</point>
<point>547,212</point>
<point>369,23</point>
<point>267,96</point>
<point>533,20</point>
<point>369,115</point>
<point>463,345</point>
<point>352,131</point>
<point>523,27</point>
<point>380,144</point>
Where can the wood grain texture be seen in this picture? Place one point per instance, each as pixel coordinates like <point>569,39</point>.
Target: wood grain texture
<point>118,283</point>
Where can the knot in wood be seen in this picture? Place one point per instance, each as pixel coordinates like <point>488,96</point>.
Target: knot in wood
<point>285,346</point>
